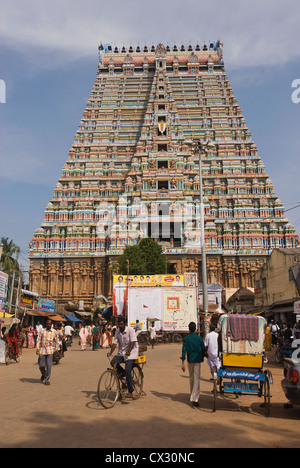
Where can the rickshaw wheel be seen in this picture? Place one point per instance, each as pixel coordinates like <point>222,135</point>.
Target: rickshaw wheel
<point>267,396</point>
<point>215,391</point>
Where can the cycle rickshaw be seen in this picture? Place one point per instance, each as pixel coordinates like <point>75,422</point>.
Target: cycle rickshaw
<point>242,359</point>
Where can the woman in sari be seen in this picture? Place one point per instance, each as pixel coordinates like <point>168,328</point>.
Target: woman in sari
<point>13,339</point>
<point>30,337</point>
<point>96,337</point>
<point>268,338</point>
<point>105,338</point>
<point>83,334</point>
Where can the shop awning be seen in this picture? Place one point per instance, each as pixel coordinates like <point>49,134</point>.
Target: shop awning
<point>107,312</point>
<point>84,314</point>
<point>29,293</point>
<point>57,318</point>
<point>32,312</point>
<point>72,318</point>
<point>6,315</point>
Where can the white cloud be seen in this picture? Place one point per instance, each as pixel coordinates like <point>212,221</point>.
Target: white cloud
<point>254,32</point>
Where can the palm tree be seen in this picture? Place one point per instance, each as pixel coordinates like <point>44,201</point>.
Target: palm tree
<point>7,262</point>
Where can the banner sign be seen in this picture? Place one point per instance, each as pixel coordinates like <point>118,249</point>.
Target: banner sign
<point>179,308</point>
<point>121,284</point>
<point>26,301</point>
<point>46,305</point>
<point>241,375</point>
<point>172,309</point>
<point>240,387</point>
<point>145,303</point>
<point>3,290</point>
<point>297,307</point>
<point>191,280</point>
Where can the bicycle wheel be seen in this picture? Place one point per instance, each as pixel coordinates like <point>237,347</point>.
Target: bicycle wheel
<point>19,356</point>
<point>165,338</point>
<point>176,338</point>
<point>278,356</point>
<point>137,381</point>
<point>108,389</point>
<point>142,339</point>
<point>7,357</point>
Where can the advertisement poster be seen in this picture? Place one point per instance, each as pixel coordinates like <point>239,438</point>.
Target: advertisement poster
<point>46,305</point>
<point>26,301</point>
<point>121,284</point>
<point>145,303</point>
<point>179,308</point>
<point>190,280</point>
<point>3,290</point>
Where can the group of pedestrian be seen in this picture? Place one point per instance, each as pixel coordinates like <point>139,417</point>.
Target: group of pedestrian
<point>276,329</point>
<point>96,335</point>
<point>30,334</point>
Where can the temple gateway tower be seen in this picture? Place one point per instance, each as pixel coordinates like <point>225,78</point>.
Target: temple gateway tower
<point>132,172</point>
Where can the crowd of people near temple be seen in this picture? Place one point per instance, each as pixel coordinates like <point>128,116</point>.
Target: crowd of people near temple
<point>91,335</point>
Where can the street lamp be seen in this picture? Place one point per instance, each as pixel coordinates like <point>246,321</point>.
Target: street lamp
<point>202,147</point>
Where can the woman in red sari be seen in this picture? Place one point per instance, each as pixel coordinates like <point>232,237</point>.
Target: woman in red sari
<point>13,339</point>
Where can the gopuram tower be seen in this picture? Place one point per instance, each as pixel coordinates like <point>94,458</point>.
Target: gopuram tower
<point>131,173</point>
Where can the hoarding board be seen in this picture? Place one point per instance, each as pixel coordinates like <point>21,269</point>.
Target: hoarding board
<point>3,290</point>
<point>144,303</point>
<point>179,308</point>
<point>191,279</point>
<point>297,307</point>
<point>26,301</point>
<point>46,305</point>
<point>174,308</point>
<point>123,283</point>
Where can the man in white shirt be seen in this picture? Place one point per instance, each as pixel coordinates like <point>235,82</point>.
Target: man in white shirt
<point>212,348</point>
<point>39,328</point>
<point>125,338</point>
<point>69,330</point>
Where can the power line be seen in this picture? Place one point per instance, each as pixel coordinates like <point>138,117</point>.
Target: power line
<point>297,206</point>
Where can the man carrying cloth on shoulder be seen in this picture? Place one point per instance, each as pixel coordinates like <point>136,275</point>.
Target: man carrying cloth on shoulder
<point>194,349</point>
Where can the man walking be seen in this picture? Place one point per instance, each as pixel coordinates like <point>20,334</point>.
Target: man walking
<point>47,344</point>
<point>212,349</point>
<point>193,348</point>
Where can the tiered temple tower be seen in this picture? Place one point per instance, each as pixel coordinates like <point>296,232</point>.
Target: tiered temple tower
<point>132,172</point>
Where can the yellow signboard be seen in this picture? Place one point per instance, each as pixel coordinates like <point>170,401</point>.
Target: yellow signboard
<point>149,280</point>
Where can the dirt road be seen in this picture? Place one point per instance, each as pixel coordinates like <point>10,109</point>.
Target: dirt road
<point>68,414</point>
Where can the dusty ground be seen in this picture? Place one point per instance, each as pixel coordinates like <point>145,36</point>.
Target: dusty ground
<point>68,414</point>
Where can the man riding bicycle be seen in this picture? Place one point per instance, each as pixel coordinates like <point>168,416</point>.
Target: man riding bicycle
<point>125,338</point>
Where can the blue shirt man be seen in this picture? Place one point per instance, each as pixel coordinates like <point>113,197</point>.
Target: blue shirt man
<point>194,349</point>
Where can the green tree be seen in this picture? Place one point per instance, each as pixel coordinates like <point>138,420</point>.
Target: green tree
<point>146,258</point>
<point>7,262</point>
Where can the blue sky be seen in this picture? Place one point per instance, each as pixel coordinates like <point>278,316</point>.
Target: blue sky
<point>49,57</point>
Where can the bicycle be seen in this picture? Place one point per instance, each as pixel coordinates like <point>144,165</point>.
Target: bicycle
<point>113,387</point>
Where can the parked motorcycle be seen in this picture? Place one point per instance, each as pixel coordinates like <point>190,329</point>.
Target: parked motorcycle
<point>285,349</point>
<point>69,341</point>
<point>59,354</point>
